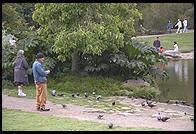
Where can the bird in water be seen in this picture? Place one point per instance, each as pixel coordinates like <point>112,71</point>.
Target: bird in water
<point>143,103</point>
<point>164,119</point>
<point>64,105</point>
<point>99,116</point>
<point>86,94</point>
<point>159,116</point>
<point>113,103</point>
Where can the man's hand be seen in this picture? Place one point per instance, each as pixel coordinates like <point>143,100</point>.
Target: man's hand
<point>48,71</point>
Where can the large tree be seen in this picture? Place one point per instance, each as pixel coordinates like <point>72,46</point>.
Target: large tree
<point>85,28</point>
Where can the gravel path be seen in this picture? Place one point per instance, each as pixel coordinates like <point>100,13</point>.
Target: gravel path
<point>143,117</point>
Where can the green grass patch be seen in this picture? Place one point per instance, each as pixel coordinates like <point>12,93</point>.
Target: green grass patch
<point>16,120</point>
<point>185,41</point>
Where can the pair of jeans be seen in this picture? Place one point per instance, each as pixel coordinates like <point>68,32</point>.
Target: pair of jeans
<point>169,31</point>
<point>41,94</point>
<point>157,49</point>
<point>185,29</point>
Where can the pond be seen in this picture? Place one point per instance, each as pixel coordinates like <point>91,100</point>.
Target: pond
<point>180,85</point>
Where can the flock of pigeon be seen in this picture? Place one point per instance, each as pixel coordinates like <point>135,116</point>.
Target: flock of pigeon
<point>149,103</point>
<point>53,93</point>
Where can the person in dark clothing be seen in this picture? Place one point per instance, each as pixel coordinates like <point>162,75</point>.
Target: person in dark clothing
<point>157,44</point>
<point>169,26</point>
<point>20,72</point>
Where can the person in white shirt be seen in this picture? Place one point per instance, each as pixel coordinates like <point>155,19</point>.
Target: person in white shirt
<point>179,24</point>
<point>176,49</point>
<point>185,25</point>
<point>12,42</point>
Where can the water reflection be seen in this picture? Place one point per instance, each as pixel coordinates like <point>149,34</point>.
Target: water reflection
<point>181,81</point>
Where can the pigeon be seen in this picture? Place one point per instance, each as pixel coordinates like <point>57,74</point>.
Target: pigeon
<point>78,94</point>
<point>143,103</point>
<point>148,102</point>
<point>110,125</point>
<point>64,105</point>
<point>183,102</point>
<point>86,94</point>
<point>177,102</point>
<point>184,113</point>
<point>72,95</point>
<point>164,119</point>
<point>167,101</point>
<point>98,97</point>
<point>99,116</point>
<point>53,92</point>
<point>192,119</point>
<point>151,105</point>
<point>60,95</point>
<point>94,93</point>
<point>113,103</point>
<point>159,116</point>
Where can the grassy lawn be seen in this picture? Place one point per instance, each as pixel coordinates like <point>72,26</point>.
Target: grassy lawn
<point>185,41</point>
<point>16,120</point>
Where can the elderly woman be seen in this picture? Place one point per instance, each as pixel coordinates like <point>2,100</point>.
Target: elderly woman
<point>20,72</point>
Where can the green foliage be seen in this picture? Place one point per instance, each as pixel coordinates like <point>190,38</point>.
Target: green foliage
<point>146,92</point>
<point>91,28</point>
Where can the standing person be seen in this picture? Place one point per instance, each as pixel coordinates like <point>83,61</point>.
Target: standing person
<point>20,72</point>
<point>179,24</point>
<point>40,80</point>
<point>185,26</point>
<point>157,44</point>
<point>175,48</point>
<point>12,42</point>
<point>169,26</point>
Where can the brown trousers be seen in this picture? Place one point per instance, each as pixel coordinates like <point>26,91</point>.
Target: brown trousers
<point>41,95</point>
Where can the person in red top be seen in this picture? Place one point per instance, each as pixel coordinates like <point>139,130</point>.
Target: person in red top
<point>161,50</point>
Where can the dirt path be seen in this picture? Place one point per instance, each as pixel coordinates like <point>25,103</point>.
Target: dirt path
<point>143,117</point>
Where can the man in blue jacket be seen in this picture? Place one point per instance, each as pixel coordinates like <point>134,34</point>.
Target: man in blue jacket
<point>169,26</point>
<point>40,80</point>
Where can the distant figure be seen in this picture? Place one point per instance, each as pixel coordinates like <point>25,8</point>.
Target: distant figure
<point>175,47</point>
<point>179,24</point>
<point>185,25</point>
<point>12,42</point>
<point>157,44</point>
<point>20,72</point>
<point>169,26</point>
<point>161,50</point>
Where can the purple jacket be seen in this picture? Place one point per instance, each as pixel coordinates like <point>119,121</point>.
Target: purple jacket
<point>157,43</point>
<point>20,70</point>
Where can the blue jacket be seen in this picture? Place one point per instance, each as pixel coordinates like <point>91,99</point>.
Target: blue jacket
<point>39,73</point>
<point>169,25</point>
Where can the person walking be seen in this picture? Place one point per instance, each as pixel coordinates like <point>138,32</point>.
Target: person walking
<point>185,25</point>
<point>20,72</point>
<point>179,24</point>
<point>40,81</point>
<point>169,26</point>
<point>157,44</point>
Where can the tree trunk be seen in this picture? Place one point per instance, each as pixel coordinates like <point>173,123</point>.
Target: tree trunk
<point>74,67</point>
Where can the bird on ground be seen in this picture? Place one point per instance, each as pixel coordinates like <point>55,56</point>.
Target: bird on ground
<point>94,93</point>
<point>159,116</point>
<point>167,101</point>
<point>143,103</point>
<point>183,102</point>
<point>165,119</point>
<point>177,102</point>
<point>86,94</point>
<point>148,102</point>
<point>53,92</point>
<point>60,95</point>
<point>78,94</point>
<point>64,105</point>
<point>110,125</point>
<point>113,103</point>
<point>99,116</point>
<point>192,119</point>
<point>184,113</point>
<point>151,105</point>
<point>98,97</point>
<point>72,95</point>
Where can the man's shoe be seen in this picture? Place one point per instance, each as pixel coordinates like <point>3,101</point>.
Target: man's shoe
<point>21,94</point>
<point>44,109</point>
<point>38,108</point>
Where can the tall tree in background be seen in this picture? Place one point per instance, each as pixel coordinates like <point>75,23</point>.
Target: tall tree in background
<point>85,28</point>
